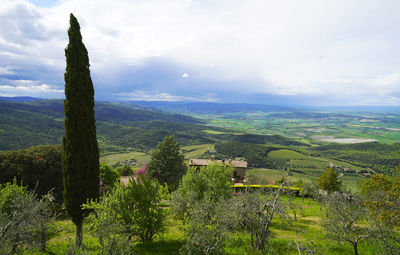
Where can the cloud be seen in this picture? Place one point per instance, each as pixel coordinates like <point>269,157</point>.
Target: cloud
<point>31,88</point>
<point>139,95</point>
<point>346,51</point>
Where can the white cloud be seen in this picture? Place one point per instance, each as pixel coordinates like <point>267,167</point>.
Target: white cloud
<point>290,47</point>
<point>30,88</point>
<point>139,95</point>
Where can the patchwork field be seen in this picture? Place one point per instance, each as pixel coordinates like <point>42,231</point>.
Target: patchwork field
<point>316,126</point>
<point>306,168</point>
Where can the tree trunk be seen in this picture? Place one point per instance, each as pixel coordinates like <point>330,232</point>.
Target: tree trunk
<point>355,249</point>
<point>15,244</point>
<point>294,213</point>
<point>79,234</point>
<point>43,230</point>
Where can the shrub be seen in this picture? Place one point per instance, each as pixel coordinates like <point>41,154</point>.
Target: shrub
<point>23,218</point>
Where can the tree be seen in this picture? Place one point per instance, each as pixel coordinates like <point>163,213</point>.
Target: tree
<point>347,220</point>
<point>136,210</point>
<point>80,160</point>
<point>256,212</point>
<point>328,181</point>
<point>23,218</point>
<point>108,176</point>
<point>38,167</point>
<point>201,201</point>
<point>383,196</point>
<point>167,163</point>
<point>210,184</point>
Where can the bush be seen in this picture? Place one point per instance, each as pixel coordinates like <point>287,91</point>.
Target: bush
<point>23,218</point>
<point>197,201</point>
<point>328,181</point>
<point>136,210</point>
<point>108,176</point>
<point>124,170</point>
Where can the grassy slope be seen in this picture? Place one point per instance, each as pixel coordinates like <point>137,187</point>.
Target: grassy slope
<point>307,228</point>
<point>195,151</point>
<point>112,159</point>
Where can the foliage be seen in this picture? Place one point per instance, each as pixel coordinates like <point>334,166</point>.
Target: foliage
<point>23,218</point>
<point>328,181</point>
<point>80,149</point>
<point>255,154</point>
<point>208,227</point>
<point>255,215</point>
<point>383,196</point>
<point>210,184</point>
<point>105,224</point>
<point>199,203</point>
<point>347,220</point>
<point>148,214</point>
<point>124,170</point>
<point>167,163</point>
<point>378,156</point>
<point>108,176</point>
<point>136,210</point>
<point>39,168</point>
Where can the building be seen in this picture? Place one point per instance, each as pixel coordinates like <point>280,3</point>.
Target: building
<point>238,174</point>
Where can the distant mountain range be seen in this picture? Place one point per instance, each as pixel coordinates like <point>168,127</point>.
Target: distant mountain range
<point>20,99</point>
<point>211,108</point>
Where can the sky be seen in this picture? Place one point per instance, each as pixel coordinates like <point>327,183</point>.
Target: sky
<point>289,52</point>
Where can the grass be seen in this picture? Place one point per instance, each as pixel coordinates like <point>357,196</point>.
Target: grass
<point>270,176</point>
<point>195,151</point>
<point>286,154</point>
<point>307,228</point>
<point>113,159</point>
<point>214,132</point>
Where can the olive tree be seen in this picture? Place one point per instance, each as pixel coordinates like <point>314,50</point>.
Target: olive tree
<point>347,220</point>
<point>23,218</point>
<point>256,212</point>
<point>201,202</point>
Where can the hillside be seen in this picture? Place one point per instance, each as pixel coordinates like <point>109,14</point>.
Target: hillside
<point>120,127</point>
<point>25,124</point>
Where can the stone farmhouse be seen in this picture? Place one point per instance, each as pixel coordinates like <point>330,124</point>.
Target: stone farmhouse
<point>238,174</point>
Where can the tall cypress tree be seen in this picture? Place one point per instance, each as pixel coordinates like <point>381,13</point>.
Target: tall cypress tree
<point>80,148</point>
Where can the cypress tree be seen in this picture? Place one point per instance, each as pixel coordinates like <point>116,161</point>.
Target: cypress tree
<point>80,148</point>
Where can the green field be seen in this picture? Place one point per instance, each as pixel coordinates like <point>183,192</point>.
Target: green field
<point>113,159</point>
<point>306,168</point>
<point>309,125</point>
<point>195,151</point>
